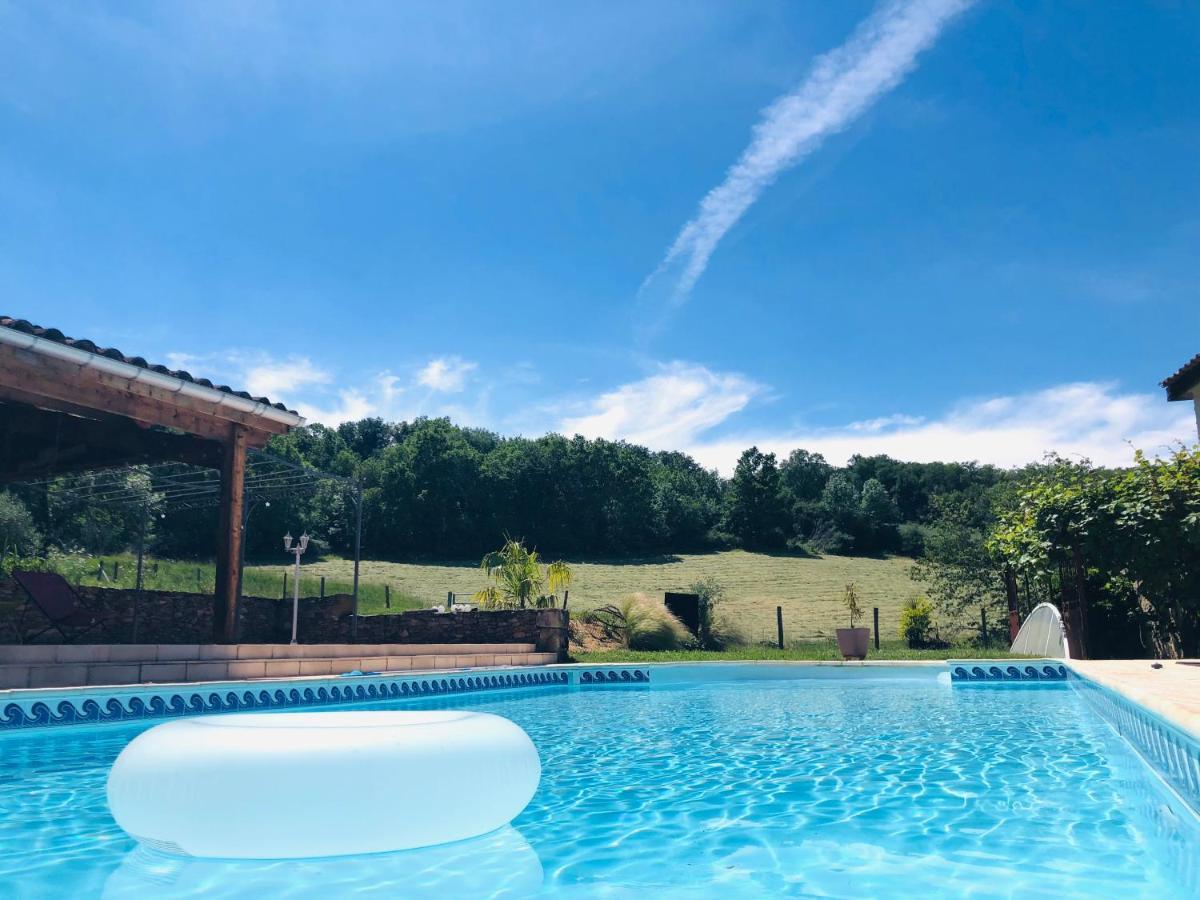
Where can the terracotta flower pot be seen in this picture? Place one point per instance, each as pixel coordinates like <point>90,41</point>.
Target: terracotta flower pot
<point>853,642</point>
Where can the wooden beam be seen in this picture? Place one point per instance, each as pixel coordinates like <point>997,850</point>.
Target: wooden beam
<point>37,443</point>
<point>229,537</point>
<point>57,383</point>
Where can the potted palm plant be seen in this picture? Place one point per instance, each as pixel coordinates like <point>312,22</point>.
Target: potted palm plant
<point>853,641</point>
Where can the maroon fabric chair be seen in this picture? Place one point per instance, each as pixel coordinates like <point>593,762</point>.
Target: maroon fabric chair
<point>59,603</point>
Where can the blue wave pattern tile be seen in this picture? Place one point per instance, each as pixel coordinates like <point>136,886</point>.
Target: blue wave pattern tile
<point>614,676</point>
<point>1174,754</point>
<point>89,709</point>
<point>1037,671</point>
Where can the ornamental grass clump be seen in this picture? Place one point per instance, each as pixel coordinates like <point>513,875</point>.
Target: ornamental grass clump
<point>639,623</point>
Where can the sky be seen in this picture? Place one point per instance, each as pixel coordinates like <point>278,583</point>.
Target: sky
<point>937,229</point>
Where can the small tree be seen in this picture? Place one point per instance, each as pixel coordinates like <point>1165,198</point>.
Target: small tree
<point>850,599</point>
<point>520,580</point>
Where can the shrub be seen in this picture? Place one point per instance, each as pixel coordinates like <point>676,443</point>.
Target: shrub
<point>912,539</point>
<point>715,633</point>
<point>916,622</point>
<point>641,624</point>
<point>18,536</point>
<point>828,538</point>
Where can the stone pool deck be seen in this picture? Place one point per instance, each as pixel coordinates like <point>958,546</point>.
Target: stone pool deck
<point>1172,691</point>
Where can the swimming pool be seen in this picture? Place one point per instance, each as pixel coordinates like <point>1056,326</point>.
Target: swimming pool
<point>738,781</point>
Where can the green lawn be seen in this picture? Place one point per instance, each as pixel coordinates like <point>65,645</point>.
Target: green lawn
<point>808,588</point>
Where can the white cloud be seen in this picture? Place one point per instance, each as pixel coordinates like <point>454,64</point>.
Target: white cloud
<point>841,86</point>
<point>255,372</point>
<point>322,395</point>
<point>447,374</point>
<point>1083,419</point>
<point>350,406</point>
<point>668,410</point>
<point>274,378</point>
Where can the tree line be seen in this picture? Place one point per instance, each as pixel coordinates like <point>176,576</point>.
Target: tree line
<point>432,489</point>
<point>1117,550</point>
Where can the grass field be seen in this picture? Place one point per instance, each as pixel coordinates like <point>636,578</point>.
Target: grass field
<point>808,588</point>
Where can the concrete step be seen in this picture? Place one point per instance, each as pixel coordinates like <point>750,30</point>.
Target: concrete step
<point>145,653</point>
<point>79,674</point>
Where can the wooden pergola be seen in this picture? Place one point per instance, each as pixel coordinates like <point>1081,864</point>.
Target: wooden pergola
<point>67,405</point>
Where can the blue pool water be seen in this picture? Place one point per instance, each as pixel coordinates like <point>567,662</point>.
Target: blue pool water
<point>873,783</point>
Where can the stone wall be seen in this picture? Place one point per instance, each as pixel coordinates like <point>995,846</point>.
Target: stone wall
<point>168,617</point>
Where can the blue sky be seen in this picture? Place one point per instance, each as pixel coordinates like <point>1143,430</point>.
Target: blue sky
<point>935,228</point>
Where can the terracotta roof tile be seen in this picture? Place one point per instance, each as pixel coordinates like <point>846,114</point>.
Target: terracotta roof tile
<point>1183,380</point>
<point>53,334</point>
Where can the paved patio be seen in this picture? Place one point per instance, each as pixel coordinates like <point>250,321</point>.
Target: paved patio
<point>1172,691</point>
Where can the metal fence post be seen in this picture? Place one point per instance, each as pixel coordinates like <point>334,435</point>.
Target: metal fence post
<point>779,624</point>
<point>876,627</point>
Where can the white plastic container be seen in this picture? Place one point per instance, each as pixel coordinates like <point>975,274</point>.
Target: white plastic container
<point>287,785</point>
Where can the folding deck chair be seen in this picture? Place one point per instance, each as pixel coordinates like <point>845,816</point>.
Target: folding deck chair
<point>59,603</point>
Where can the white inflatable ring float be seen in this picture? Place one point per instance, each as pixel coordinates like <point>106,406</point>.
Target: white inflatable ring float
<point>287,785</point>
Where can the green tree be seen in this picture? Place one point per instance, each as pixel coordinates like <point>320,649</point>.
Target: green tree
<point>1121,548</point>
<point>18,534</point>
<point>878,516</point>
<point>961,570</point>
<point>755,513</point>
<point>803,475</point>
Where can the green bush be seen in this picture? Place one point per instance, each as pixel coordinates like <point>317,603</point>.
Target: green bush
<point>916,622</point>
<point>715,632</point>
<point>828,538</point>
<point>912,539</point>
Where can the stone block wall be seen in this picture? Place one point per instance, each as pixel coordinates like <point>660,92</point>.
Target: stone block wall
<point>169,617</point>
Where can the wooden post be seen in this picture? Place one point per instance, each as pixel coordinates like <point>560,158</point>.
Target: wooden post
<point>322,587</point>
<point>983,635</point>
<point>284,594</point>
<point>229,536</point>
<point>779,624</point>
<point>358,505</point>
<point>387,597</point>
<point>116,570</point>
<point>876,627</point>
<point>566,594</point>
<point>1081,600</point>
<point>449,600</point>
<point>138,581</point>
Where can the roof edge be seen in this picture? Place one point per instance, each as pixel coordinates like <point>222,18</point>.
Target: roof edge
<point>137,369</point>
<point>1184,380</point>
